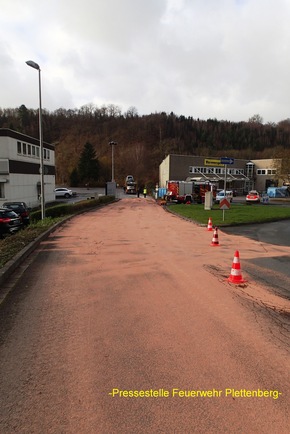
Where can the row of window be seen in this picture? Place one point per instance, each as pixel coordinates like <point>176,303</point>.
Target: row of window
<point>32,150</point>
<point>215,170</point>
<point>221,171</point>
<point>266,171</point>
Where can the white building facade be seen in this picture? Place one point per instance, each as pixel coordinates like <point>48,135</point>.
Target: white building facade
<point>20,169</point>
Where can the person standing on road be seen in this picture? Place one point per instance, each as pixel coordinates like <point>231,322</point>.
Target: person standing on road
<point>144,191</point>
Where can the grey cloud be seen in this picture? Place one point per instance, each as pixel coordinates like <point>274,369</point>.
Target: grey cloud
<point>226,59</point>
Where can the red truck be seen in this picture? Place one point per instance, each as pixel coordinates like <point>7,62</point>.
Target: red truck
<point>188,191</point>
<point>179,191</point>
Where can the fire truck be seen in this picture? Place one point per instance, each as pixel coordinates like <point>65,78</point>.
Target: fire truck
<point>188,191</point>
<point>202,187</point>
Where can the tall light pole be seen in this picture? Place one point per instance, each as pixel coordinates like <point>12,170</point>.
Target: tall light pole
<point>42,198</point>
<point>113,144</point>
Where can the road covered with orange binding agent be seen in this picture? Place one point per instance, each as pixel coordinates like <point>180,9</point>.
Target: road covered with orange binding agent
<point>124,322</point>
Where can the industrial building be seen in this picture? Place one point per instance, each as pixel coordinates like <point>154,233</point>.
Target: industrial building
<point>241,175</point>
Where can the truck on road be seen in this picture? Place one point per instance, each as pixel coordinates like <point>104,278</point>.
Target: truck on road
<point>130,185</point>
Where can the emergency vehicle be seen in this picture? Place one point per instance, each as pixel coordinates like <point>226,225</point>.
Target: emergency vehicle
<point>188,191</point>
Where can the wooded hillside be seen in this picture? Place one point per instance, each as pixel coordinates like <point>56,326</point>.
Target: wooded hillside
<point>144,141</point>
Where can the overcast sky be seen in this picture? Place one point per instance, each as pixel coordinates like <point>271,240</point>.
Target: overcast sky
<point>223,59</point>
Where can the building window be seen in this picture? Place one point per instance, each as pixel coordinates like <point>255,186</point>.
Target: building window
<point>271,172</point>
<point>2,193</point>
<point>46,154</point>
<point>32,150</point>
<point>194,169</point>
<point>261,171</point>
<point>250,170</point>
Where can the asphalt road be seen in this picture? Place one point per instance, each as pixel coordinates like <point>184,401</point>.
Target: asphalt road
<point>271,270</point>
<point>130,298</point>
<point>277,233</point>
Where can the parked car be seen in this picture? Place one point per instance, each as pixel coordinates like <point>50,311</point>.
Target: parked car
<point>221,195</point>
<point>10,222</point>
<point>63,192</point>
<point>21,209</point>
<point>253,197</point>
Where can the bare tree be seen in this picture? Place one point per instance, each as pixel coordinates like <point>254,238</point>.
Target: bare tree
<point>256,119</point>
<point>281,162</point>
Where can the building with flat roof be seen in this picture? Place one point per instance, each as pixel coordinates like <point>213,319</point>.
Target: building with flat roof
<point>20,168</point>
<point>266,173</point>
<point>241,175</point>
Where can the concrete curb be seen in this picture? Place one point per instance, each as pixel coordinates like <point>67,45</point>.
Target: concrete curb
<point>11,265</point>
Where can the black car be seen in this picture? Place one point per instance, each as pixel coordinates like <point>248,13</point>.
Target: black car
<point>21,209</point>
<point>10,222</point>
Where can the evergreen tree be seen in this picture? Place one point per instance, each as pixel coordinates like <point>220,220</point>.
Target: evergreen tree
<point>74,178</point>
<point>88,166</point>
<point>23,114</point>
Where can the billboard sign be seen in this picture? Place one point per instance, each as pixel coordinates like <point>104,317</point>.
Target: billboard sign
<point>218,162</point>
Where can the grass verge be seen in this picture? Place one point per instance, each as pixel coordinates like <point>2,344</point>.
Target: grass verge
<point>237,214</point>
<point>13,244</point>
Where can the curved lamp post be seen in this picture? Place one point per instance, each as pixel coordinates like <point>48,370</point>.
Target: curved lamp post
<point>42,199</point>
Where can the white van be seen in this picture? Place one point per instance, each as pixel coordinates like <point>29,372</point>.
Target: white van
<point>221,195</point>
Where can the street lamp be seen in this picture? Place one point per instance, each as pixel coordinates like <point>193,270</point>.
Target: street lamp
<point>113,144</point>
<point>42,199</point>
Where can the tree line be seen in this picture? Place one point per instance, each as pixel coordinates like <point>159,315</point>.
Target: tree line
<point>83,135</point>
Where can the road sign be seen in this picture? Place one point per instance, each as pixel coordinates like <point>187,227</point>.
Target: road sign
<point>226,160</point>
<point>225,204</point>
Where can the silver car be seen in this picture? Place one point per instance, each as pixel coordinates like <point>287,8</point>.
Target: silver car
<point>221,195</point>
<point>63,192</point>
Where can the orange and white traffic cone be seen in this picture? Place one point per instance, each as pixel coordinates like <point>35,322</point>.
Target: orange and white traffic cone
<point>209,224</point>
<point>236,275</point>
<point>215,238</point>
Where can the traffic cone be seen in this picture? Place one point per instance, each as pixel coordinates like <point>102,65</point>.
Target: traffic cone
<point>209,224</point>
<point>236,275</point>
<point>215,238</point>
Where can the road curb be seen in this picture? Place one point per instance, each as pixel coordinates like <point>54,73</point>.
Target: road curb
<point>13,263</point>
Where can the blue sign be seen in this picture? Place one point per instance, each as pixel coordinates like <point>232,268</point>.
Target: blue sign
<point>226,160</point>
